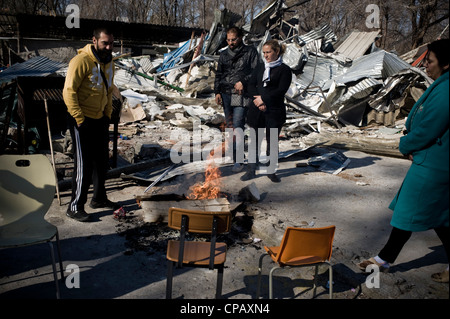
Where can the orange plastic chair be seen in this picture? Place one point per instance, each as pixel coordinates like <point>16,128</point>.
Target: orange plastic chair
<point>27,190</point>
<point>210,255</point>
<point>301,247</point>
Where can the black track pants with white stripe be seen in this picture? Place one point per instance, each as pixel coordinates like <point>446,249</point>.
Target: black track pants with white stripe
<point>91,158</point>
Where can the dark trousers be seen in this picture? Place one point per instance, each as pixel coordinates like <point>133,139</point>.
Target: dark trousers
<point>91,158</point>
<point>398,239</point>
<point>270,138</point>
<point>272,132</point>
<point>235,118</point>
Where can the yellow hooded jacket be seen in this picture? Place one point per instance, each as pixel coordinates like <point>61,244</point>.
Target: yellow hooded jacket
<point>85,93</point>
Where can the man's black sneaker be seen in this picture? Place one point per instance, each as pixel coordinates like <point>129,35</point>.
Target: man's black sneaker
<point>274,178</point>
<point>250,174</point>
<point>79,215</point>
<point>104,204</point>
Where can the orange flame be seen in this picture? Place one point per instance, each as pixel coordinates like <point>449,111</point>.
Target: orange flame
<point>210,188</point>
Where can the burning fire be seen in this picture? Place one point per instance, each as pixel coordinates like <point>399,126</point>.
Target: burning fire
<point>210,188</point>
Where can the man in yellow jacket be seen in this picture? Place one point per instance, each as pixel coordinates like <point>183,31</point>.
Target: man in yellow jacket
<point>88,96</point>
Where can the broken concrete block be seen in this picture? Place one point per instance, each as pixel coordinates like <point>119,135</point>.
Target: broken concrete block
<point>250,193</point>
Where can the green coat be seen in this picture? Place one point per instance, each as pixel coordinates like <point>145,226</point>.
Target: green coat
<point>422,202</point>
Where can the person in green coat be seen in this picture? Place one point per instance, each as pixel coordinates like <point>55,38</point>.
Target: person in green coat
<point>422,202</point>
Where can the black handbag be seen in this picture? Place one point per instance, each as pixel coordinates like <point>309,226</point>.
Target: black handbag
<point>239,100</point>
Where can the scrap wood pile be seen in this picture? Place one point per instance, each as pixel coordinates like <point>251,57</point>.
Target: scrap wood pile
<point>342,83</point>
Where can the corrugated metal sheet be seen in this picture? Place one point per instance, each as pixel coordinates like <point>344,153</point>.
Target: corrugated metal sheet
<point>362,89</point>
<point>293,56</point>
<point>357,44</point>
<point>378,65</point>
<point>319,73</point>
<point>393,64</point>
<point>259,22</point>
<point>389,97</point>
<point>37,66</point>
<point>323,32</point>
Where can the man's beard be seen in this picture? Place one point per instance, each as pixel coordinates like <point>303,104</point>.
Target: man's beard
<point>235,46</point>
<point>103,54</point>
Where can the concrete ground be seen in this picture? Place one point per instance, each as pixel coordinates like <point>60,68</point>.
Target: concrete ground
<point>355,200</point>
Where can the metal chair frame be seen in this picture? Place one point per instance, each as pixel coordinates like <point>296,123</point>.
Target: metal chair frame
<point>215,229</point>
<point>281,265</point>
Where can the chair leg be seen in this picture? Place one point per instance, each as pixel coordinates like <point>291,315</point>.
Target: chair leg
<point>169,279</point>
<point>258,287</point>
<point>219,282</point>
<point>331,280</point>
<point>55,276</point>
<point>315,280</point>
<point>58,247</point>
<point>270,281</point>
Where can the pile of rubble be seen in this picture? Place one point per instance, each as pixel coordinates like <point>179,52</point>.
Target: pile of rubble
<point>355,86</point>
<point>345,92</point>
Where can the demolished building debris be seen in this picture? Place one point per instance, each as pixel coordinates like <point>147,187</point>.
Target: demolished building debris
<point>355,86</point>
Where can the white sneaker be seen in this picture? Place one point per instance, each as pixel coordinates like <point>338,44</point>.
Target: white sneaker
<point>237,167</point>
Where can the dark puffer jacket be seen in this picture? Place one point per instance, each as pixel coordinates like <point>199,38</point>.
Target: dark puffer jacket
<point>232,69</point>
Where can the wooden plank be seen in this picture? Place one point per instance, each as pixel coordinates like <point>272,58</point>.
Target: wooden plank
<point>157,211</point>
<point>371,145</point>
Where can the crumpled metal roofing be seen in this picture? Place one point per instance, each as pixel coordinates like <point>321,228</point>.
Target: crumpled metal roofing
<point>360,90</point>
<point>378,65</point>
<point>394,86</point>
<point>36,66</point>
<point>260,21</point>
<point>356,44</point>
<point>324,32</point>
<point>363,88</point>
<point>318,73</point>
<point>294,56</point>
<point>174,57</point>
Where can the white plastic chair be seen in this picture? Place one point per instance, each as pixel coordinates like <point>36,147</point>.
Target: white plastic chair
<point>27,190</point>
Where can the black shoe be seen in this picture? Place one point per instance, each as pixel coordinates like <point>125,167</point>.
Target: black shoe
<point>79,215</point>
<point>104,204</point>
<point>248,176</point>
<point>274,178</point>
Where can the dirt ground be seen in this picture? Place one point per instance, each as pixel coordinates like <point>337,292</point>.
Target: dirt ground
<point>125,259</point>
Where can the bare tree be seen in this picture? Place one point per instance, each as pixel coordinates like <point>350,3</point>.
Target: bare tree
<point>139,11</point>
<point>53,7</point>
<point>424,15</point>
<point>403,24</point>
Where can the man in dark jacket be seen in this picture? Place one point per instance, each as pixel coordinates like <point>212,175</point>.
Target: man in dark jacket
<point>234,69</point>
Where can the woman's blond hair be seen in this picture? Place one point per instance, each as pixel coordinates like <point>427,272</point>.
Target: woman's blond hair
<point>276,46</point>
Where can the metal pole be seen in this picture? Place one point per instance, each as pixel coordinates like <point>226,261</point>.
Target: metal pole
<point>51,148</point>
<point>160,177</point>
